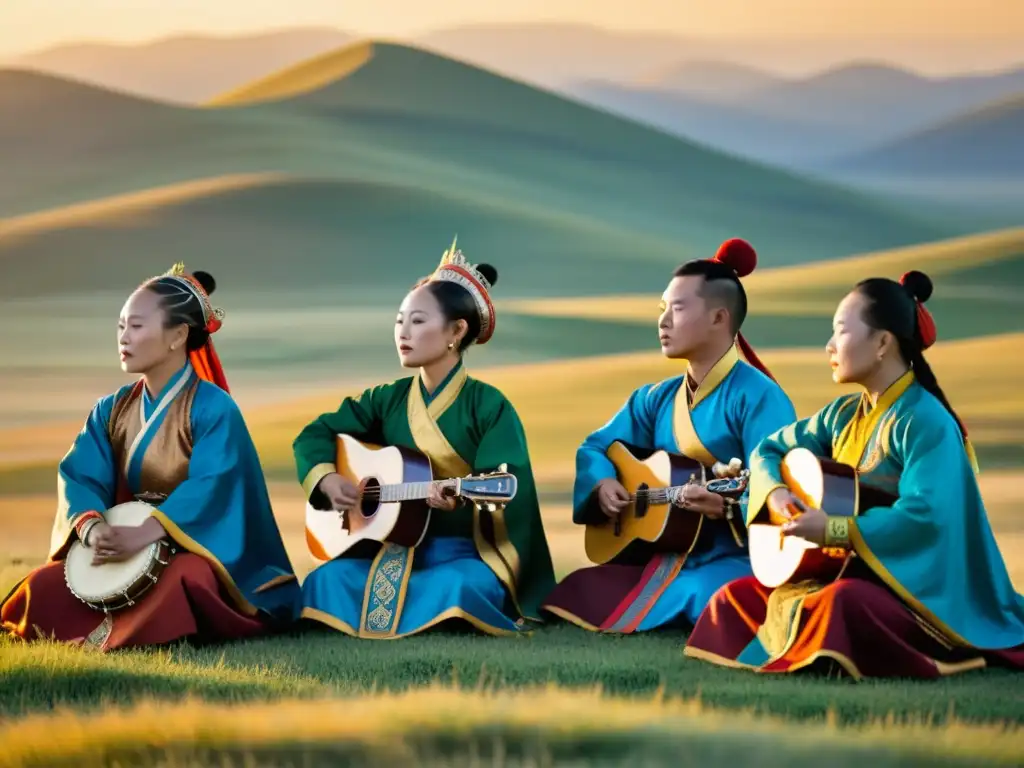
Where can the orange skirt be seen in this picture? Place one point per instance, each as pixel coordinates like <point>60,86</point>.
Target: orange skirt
<point>186,603</point>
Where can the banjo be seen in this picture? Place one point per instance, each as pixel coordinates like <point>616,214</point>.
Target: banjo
<point>113,586</point>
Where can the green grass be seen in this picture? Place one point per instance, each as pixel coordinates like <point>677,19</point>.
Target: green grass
<point>40,677</point>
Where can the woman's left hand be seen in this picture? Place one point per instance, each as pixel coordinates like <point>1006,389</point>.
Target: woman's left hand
<point>127,540</point>
<point>808,525</point>
<point>439,498</point>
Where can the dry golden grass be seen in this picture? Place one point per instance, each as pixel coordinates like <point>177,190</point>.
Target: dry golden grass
<point>561,402</point>
<point>131,205</point>
<point>805,289</point>
<point>389,723</point>
<point>304,77</point>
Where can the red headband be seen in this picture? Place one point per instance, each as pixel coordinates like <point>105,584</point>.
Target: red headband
<point>741,258</point>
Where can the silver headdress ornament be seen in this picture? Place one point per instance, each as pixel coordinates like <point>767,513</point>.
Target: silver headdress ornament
<point>213,317</point>
<point>455,268</point>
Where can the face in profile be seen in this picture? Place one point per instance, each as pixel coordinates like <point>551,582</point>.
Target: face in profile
<point>686,319</point>
<point>422,332</point>
<point>142,340</point>
<point>854,349</point>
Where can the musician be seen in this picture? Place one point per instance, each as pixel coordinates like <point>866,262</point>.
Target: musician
<point>718,410</point>
<point>927,593</point>
<point>475,567</point>
<point>176,437</point>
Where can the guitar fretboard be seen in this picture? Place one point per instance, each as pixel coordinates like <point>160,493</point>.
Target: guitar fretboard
<point>400,492</point>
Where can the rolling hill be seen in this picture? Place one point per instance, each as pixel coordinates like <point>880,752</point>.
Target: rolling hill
<point>987,143</point>
<point>184,69</point>
<point>708,78</point>
<point>485,155</point>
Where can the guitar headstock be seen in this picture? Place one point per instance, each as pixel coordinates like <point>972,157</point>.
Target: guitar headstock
<point>492,487</point>
<point>730,487</point>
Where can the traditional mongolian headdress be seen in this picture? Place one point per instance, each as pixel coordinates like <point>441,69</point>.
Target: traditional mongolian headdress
<point>204,360</point>
<point>455,268</point>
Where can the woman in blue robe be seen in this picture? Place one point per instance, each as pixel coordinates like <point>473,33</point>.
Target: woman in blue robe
<point>926,593</point>
<point>177,440</point>
<point>475,567</point>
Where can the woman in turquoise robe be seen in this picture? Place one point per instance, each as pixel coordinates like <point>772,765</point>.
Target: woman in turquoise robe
<point>483,568</point>
<point>927,593</point>
<point>175,439</point>
<point>722,417</point>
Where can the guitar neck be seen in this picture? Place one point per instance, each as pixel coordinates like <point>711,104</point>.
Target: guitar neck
<point>407,491</point>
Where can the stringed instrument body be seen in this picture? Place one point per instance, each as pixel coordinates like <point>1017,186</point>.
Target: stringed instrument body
<point>651,523</point>
<point>394,484</point>
<point>821,484</point>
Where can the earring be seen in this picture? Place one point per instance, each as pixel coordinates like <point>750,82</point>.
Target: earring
<point>451,345</point>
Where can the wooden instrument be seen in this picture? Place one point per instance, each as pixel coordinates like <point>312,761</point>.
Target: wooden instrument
<point>821,484</point>
<point>112,586</point>
<point>652,523</point>
<point>394,484</point>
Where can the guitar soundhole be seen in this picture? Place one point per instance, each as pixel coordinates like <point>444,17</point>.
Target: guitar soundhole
<point>370,501</point>
<point>642,501</point>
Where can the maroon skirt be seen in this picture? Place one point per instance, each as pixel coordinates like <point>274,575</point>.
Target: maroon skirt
<point>187,602</point>
<point>853,625</point>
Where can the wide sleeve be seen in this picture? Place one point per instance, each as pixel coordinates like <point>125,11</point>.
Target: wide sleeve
<point>633,424</point>
<point>767,415</point>
<point>316,447</point>
<point>222,511</point>
<point>86,477</point>
<point>934,547</point>
<point>517,532</point>
<point>814,433</point>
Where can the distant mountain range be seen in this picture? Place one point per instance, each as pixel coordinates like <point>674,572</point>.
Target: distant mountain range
<point>986,143</point>
<point>805,122</point>
<point>818,123</point>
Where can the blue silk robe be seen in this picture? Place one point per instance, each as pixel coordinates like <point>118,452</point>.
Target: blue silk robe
<point>934,547</point>
<point>735,407</point>
<point>194,447</point>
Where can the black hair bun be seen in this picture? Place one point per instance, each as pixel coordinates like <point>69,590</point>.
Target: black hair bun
<point>918,284</point>
<point>490,274</point>
<point>206,280</point>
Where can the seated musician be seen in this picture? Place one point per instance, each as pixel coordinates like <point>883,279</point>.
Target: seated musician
<point>475,567</point>
<point>927,592</point>
<point>176,439</point>
<point>717,411</point>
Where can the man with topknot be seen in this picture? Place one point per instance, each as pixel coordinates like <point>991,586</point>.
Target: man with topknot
<point>715,413</point>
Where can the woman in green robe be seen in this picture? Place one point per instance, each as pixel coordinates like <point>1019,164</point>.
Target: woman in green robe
<point>488,568</point>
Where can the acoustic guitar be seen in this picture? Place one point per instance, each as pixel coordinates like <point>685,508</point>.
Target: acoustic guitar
<point>394,483</point>
<point>652,522</point>
<point>818,483</point>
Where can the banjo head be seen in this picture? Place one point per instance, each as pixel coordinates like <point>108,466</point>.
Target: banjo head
<point>111,585</point>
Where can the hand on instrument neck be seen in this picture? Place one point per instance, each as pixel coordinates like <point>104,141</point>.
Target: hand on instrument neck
<point>441,496</point>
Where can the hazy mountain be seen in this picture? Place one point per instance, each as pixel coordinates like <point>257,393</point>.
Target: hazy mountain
<point>986,143</point>
<point>882,98</point>
<point>713,80</point>
<point>730,127</point>
<point>184,68</point>
<point>803,122</point>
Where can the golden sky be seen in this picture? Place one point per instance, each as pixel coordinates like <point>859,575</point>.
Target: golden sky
<point>30,24</point>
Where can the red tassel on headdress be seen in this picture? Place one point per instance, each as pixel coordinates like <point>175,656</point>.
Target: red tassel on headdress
<point>207,365</point>
<point>740,255</point>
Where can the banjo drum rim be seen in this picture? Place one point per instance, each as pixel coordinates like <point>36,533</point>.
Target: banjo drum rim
<point>152,560</point>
